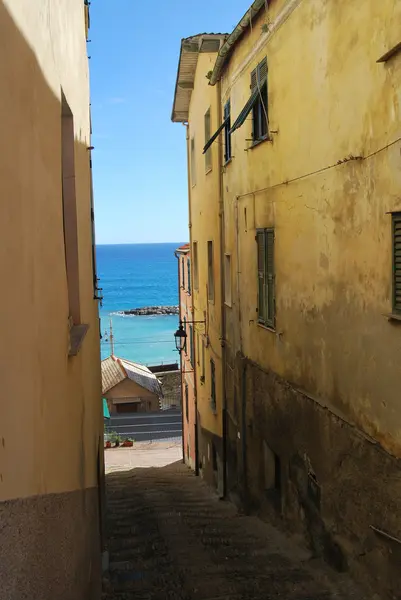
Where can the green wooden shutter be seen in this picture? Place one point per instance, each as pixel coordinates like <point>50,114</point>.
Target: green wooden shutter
<point>270,278</point>
<point>397,263</point>
<point>262,71</point>
<point>191,344</point>
<point>260,238</point>
<point>254,79</point>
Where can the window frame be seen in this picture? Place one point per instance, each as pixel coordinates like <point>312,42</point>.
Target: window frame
<point>396,269</point>
<point>193,161</point>
<point>267,301</point>
<point>227,280</point>
<point>195,266</point>
<point>187,401</point>
<point>183,273</point>
<point>189,276</point>
<point>208,129</point>
<point>210,271</point>
<point>227,134</point>
<point>213,399</point>
<point>191,345</point>
<point>260,118</point>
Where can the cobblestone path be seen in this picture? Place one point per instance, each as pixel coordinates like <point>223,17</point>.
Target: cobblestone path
<point>170,538</point>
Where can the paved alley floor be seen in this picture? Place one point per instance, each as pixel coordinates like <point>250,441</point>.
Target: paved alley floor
<point>171,538</point>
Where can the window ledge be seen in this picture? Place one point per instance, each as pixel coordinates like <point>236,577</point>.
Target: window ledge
<point>266,138</point>
<point>77,334</point>
<point>213,407</point>
<point>228,304</point>
<point>208,171</point>
<point>267,327</point>
<point>393,316</point>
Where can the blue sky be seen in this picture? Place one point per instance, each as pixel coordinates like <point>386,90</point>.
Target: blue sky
<point>139,158</point>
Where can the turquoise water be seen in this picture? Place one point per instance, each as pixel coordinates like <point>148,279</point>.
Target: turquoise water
<point>135,275</point>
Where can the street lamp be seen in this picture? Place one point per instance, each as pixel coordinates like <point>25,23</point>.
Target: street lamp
<point>180,338</point>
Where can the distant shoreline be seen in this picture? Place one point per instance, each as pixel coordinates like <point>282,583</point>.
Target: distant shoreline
<point>145,311</point>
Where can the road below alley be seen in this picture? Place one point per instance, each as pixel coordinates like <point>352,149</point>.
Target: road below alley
<point>171,537</point>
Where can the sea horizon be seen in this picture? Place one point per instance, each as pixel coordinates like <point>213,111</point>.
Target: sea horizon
<point>132,276</point>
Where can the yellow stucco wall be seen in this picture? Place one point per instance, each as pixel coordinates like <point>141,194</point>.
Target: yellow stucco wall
<point>204,226</point>
<point>328,99</point>
<point>50,411</point>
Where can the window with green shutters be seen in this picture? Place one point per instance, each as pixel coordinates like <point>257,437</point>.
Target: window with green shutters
<point>260,108</point>
<point>191,345</point>
<point>266,277</point>
<point>397,263</point>
<point>189,276</point>
<point>212,384</point>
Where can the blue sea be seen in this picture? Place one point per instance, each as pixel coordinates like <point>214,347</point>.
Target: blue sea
<point>132,276</point>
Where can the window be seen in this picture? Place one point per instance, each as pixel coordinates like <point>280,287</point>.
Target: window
<point>193,163</point>
<point>185,329</point>
<point>227,279</point>
<point>397,263</point>
<point>195,265</point>
<point>266,278</point>
<point>208,153</point>
<point>197,349</point>
<point>186,402</point>
<point>227,134</point>
<point>189,276</point>
<point>183,273</point>
<point>212,384</point>
<point>70,228</point>
<point>203,376</point>
<point>259,111</point>
<point>191,345</point>
<point>210,272</point>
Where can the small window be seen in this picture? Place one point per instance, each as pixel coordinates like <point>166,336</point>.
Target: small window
<point>266,277</point>
<point>212,384</point>
<point>210,272</point>
<point>193,163</point>
<point>227,279</point>
<point>203,377</point>
<point>197,349</point>
<point>195,265</point>
<point>70,224</point>
<point>260,112</point>
<point>227,134</point>
<point>188,276</point>
<point>397,263</point>
<point>208,153</point>
<point>183,273</point>
<point>187,402</point>
<point>191,345</point>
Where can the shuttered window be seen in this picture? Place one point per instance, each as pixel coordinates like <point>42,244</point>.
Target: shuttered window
<point>186,402</point>
<point>210,272</point>
<point>227,133</point>
<point>397,263</point>
<point>189,276</point>
<point>208,153</point>
<point>266,277</point>
<point>260,113</point>
<point>212,384</point>
<point>191,345</point>
<point>183,273</point>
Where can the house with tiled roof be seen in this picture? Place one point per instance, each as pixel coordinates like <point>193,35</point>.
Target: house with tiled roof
<point>130,387</point>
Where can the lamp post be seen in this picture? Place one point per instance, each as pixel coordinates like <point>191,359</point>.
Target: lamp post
<point>181,335</point>
<point>180,338</point>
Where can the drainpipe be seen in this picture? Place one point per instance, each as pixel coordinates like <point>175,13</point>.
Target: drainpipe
<point>222,299</point>
<point>181,361</point>
<point>193,307</point>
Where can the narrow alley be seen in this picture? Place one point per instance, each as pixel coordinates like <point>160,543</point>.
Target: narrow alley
<point>171,537</point>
